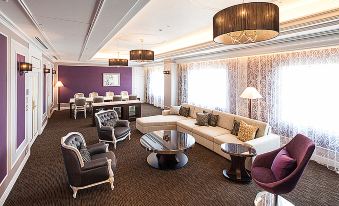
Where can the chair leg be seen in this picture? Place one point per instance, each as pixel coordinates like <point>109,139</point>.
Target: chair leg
<point>75,114</point>
<point>129,136</point>
<point>85,112</point>
<point>75,191</point>
<point>115,145</point>
<point>111,181</point>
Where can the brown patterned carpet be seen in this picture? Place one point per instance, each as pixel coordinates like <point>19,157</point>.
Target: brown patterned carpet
<point>43,180</point>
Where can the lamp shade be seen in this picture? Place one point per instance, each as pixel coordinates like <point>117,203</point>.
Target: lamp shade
<point>141,55</point>
<point>250,93</point>
<point>118,62</point>
<point>24,67</point>
<point>246,23</point>
<point>59,84</point>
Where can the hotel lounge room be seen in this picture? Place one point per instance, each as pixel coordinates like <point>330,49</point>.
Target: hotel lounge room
<point>169,102</point>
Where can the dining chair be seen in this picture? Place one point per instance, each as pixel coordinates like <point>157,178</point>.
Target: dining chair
<point>77,95</point>
<point>93,94</point>
<point>109,94</point>
<point>79,106</point>
<point>98,99</point>
<point>132,97</point>
<point>117,98</point>
<point>124,95</point>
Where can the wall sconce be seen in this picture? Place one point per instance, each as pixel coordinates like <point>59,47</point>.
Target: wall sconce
<point>46,71</point>
<point>53,71</point>
<point>24,67</point>
<point>167,72</point>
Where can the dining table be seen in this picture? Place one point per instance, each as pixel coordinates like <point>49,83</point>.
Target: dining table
<point>89,100</point>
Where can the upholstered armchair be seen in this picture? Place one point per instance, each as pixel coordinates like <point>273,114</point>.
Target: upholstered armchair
<point>300,148</point>
<point>82,172</point>
<point>110,128</point>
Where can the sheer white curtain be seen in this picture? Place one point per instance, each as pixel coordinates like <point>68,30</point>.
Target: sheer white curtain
<point>207,85</point>
<point>155,86</point>
<point>299,89</point>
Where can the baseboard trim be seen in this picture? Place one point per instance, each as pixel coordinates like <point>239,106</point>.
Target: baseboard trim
<point>44,125</point>
<point>13,180</point>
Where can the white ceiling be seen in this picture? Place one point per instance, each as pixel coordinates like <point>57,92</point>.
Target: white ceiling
<point>164,25</point>
<point>170,25</point>
<point>65,25</point>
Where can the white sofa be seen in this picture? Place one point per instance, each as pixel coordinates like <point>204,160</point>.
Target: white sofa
<point>208,136</point>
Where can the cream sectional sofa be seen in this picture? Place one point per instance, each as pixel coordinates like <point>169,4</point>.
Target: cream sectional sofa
<point>208,136</point>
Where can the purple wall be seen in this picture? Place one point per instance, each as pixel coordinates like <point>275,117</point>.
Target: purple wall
<point>3,107</point>
<point>20,104</point>
<point>87,79</point>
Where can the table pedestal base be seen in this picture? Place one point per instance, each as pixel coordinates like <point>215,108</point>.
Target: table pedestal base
<point>237,172</point>
<point>167,161</point>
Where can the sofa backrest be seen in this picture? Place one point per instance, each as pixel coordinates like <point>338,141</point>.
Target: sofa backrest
<point>226,119</point>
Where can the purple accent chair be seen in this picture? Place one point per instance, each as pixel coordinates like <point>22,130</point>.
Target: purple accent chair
<point>301,149</point>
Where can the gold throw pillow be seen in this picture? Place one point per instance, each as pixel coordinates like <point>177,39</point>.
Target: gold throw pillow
<point>246,132</point>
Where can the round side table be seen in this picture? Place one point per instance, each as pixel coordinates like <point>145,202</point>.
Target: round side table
<point>238,153</point>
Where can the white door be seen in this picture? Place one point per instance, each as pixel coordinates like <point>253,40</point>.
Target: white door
<point>35,101</point>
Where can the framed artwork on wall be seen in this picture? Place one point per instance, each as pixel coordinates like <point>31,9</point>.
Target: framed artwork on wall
<point>111,79</point>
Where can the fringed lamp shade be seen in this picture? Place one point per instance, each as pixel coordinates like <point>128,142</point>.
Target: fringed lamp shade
<point>141,55</point>
<point>118,62</point>
<point>246,23</point>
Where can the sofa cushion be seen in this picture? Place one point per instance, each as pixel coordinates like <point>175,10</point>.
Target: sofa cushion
<point>210,132</point>
<point>246,132</point>
<point>236,127</point>
<point>184,111</point>
<point>202,119</point>
<point>187,124</point>
<point>227,138</point>
<point>174,110</point>
<point>159,120</point>
<point>262,126</point>
<point>213,120</point>
<point>192,109</point>
<point>225,119</point>
<point>200,110</point>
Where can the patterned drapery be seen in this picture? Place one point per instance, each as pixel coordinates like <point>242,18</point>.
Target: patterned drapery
<point>155,86</point>
<point>278,78</point>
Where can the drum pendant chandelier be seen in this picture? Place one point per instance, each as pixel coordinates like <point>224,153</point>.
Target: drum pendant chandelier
<point>118,62</point>
<point>246,23</point>
<point>141,55</point>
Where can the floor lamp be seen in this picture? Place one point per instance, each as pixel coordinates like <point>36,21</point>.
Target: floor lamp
<point>250,93</point>
<point>58,85</point>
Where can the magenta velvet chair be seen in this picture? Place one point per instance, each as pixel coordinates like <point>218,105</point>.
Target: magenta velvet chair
<point>299,148</point>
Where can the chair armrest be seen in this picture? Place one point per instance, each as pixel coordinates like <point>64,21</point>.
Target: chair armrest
<point>265,143</point>
<point>97,148</point>
<point>101,162</point>
<point>122,123</point>
<point>165,112</point>
<point>105,128</point>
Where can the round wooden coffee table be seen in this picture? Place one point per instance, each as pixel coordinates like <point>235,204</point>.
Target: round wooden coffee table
<point>238,153</point>
<point>167,148</point>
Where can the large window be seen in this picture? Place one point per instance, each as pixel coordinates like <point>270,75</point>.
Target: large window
<point>309,97</point>
<point>207,86</point>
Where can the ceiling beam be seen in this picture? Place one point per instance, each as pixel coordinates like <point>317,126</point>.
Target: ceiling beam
<point>96,13</point>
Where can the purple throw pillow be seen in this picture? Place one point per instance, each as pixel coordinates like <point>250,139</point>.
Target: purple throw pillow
<point>283,165</point>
